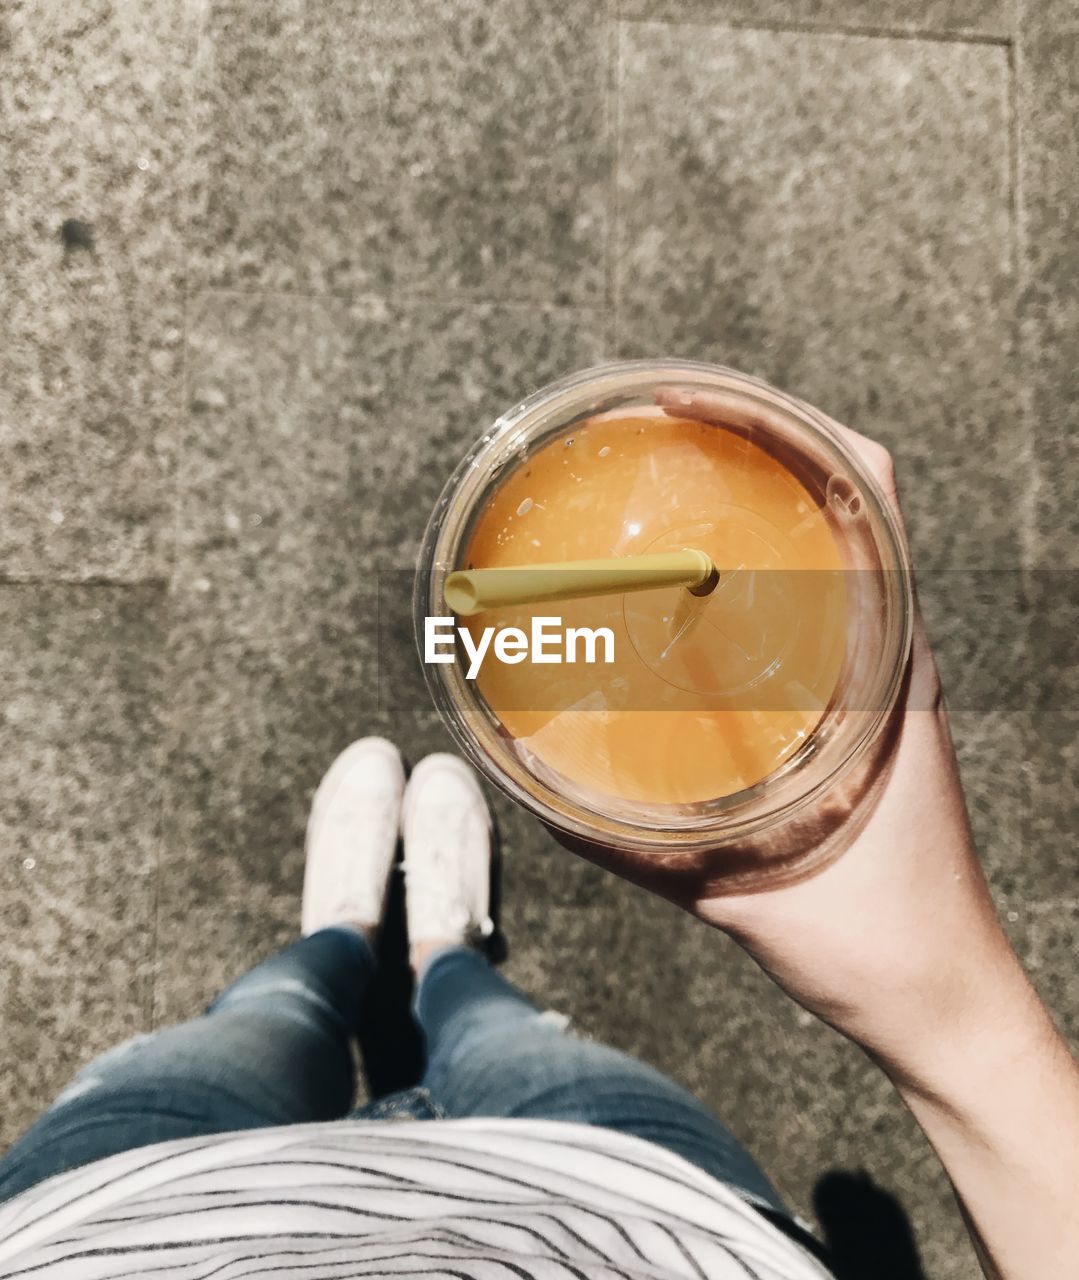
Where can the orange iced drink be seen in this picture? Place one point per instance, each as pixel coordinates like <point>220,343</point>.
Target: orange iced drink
<point>704,697</point>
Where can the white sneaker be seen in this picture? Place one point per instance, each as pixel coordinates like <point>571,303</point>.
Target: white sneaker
<point>352,835</point>
<point>447,831</point>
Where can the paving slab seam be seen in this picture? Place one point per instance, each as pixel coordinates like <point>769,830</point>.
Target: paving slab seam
<point>1028,517</point>
<point>408,298</point>
<point>1026,342</point>
<point>167,702</point>
<point>613,328</point>
<point>16,579</point>
<point>612,126</point>
<point>807,28</point>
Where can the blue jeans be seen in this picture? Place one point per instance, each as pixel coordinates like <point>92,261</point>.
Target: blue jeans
<point>275,1048</point>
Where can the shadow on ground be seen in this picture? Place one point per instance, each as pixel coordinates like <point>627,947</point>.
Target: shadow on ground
<point>391,1044</point>
<point>865,1229</point>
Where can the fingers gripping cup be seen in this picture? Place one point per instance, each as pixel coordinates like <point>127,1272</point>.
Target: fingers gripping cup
<point>662,712</point>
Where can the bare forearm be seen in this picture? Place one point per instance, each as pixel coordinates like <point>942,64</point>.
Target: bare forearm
<point>1001,1107</point>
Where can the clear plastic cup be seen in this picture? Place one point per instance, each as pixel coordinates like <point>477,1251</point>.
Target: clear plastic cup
<point>874,643</point>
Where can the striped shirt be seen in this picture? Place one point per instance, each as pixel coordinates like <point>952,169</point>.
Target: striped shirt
<point>471,1199</point>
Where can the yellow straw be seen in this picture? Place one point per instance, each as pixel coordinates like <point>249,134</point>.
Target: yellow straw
<point>470,591</point>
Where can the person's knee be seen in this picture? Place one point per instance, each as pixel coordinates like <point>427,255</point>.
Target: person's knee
<point>486,1040</point>
<point>100,1071</point>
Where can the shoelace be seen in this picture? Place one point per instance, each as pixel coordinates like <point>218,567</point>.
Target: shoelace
<point>445,872</point>
<point>374,814</point>
<point>455,908</point>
